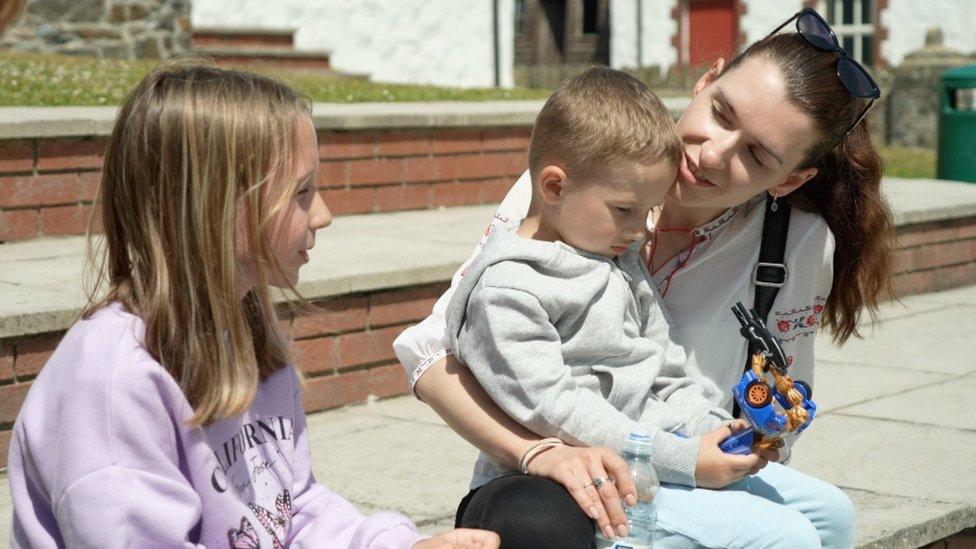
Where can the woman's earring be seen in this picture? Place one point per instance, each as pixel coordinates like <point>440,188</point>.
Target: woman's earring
<point>773,207</point>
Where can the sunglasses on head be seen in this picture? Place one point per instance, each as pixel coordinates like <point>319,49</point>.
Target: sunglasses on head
<point>854,77</point>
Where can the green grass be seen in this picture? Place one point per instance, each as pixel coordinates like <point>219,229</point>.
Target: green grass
<point>908,162</point>
<point>56,80</point>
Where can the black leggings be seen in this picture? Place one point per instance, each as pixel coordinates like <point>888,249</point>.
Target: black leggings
<point>527,512</point>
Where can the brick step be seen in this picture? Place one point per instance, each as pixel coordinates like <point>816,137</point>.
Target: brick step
<point>243,37</point>
<point>266,56</point>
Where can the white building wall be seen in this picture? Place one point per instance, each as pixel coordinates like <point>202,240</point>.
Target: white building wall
<point>908,20</point>
<point>762,16</point>
<point>657,27</point>
<point>443,42</point>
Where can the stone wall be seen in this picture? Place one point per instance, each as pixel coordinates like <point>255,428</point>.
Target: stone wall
<point>913,102</point>
<point>117,29</point>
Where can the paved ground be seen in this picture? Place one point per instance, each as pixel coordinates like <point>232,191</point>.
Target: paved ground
<point>896,431</point>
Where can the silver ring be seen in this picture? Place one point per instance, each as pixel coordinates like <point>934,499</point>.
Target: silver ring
<point>587,485</point>
<point>599,482</point>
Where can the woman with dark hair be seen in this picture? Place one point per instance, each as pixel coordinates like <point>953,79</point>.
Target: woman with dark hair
<point>782,124</point>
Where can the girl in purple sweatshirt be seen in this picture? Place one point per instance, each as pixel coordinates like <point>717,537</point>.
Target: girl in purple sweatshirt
<point>169,415</point>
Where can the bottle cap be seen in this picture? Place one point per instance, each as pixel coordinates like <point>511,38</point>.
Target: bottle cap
<point>638,441</point>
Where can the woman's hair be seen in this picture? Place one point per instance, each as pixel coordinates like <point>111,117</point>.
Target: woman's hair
<point>195,152</point>
<point>847,188</point>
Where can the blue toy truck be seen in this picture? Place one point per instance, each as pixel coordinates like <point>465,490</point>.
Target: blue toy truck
<point>755,396</point>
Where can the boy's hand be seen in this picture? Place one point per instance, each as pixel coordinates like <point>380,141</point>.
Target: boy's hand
<point>462,538</point>
<point>715,468</point>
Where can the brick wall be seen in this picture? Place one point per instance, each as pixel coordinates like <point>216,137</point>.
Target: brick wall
<point>47,185</point>
<point>935,256</point>
<point>345,352</point>
<point>965,539</point>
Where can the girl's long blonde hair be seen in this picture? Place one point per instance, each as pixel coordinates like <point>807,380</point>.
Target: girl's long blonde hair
<point>195,151</point>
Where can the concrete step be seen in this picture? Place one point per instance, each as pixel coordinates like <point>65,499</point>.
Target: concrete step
<point>267,56</point>
<point>243,37</point>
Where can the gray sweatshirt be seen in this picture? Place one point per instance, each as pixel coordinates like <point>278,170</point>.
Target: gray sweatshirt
<point>577,346</point>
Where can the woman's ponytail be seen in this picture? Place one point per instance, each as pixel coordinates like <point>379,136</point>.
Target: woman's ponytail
<point>847,192</point>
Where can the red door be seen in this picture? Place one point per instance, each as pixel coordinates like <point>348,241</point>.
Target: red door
<point>713,28</point>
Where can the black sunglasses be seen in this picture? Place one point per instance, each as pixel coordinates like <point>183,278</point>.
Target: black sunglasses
<point>853,76</point>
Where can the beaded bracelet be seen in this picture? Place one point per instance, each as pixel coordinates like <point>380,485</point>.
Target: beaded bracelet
<point>535,450</point>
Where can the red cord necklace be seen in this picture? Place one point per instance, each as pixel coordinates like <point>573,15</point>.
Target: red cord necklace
<point>681,264</point>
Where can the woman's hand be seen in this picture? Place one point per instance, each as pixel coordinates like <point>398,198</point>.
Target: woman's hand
<point>462,538</point>
<point>576,468</point>
<point>715,468</point>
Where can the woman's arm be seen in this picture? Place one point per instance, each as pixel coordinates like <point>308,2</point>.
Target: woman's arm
<point>453,392</point>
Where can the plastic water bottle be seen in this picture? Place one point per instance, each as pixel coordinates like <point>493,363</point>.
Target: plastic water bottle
<point>641,517</point>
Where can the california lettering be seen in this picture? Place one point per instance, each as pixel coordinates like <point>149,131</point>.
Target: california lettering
<point>256,433</point>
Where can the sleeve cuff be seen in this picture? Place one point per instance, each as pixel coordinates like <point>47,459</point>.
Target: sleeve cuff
<point>422,368</point>
<point>387,531</point>
<point>675,458</point>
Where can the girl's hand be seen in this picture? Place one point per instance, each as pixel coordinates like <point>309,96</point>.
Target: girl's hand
<point>715,468</point>
<point>575,468</point>
<point>462,538</point>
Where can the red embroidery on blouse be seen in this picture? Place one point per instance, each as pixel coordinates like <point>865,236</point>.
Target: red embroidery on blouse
<point>802,322</point>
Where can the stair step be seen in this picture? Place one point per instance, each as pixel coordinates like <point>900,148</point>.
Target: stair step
<point>243,36</point>
<point>293,59</point>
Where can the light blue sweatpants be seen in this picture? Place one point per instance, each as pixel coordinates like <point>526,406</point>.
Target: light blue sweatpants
<point>778,507</point>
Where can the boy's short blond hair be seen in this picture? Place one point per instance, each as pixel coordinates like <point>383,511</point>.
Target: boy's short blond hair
<point>598,118</point>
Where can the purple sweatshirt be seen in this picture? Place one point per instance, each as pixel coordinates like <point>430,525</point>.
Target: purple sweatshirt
<point>101,457</point>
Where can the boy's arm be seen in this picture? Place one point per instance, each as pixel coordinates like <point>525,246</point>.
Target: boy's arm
<point>512,348</point>
<point>683,389</point>
<point>681,386</point>
<point>509,344</point>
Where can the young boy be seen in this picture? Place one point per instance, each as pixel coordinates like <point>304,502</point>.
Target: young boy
<point>559,321</point>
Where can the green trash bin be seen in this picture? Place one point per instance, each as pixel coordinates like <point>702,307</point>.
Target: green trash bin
<point>957,125</point>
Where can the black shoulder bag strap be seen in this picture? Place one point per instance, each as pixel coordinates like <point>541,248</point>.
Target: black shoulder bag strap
<point>769,274</point>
